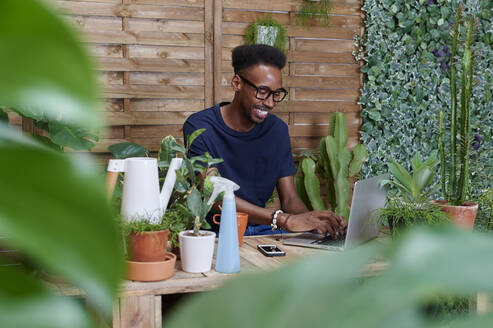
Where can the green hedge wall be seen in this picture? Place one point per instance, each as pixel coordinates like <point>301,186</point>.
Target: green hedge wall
<point>406,82</point>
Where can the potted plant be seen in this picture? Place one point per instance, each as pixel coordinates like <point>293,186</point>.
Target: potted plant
<point>196,245</point>
<point>335,164</point>
<point>267,31</point>
<point>146,248</point>
<point>409,204</point>
<point>314,10</point>
<point>455,169</point>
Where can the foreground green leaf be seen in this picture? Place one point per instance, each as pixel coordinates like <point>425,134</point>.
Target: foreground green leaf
<point>326,290</point>
<point>55,211</point>
<point>50,57</point>
<point>24,302</point>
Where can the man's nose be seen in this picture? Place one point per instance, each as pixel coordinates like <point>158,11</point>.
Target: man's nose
<point>269,101</point>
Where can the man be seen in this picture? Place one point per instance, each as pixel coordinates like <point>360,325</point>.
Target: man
<point>255,146</point>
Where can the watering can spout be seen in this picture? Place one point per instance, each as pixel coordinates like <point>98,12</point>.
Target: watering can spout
<point>169,183</point>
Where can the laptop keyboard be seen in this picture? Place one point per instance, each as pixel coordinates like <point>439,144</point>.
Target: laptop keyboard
<point>329,241</point>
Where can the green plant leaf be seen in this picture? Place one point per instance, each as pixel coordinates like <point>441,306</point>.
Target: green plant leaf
<point>54,209</point>
<point>69,136</point>
<point>400,173</point>
<point>128,149</point>
<point>56,77</point>
<point>167,151</point>
<point>194,203</point>
<point>423,264</point>
<point>360,155</point>
<point>312,184</point>
<point>421,179</point>
<point>416,162</point>
<point>191,138</point>
<point>25,302</point>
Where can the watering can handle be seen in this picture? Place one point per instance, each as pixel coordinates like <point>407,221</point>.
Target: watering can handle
<point>111,178</point>
<point>115,166</point>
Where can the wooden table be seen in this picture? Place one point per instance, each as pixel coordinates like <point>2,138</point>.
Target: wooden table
<point>139,304</point>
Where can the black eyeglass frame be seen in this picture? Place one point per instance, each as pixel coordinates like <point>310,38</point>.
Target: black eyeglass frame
<point>271,92</point>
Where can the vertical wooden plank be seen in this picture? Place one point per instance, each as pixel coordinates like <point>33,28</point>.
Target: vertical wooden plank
<point>137,312</point>
<point>218,37</point>
<point>126,75</point>
<point>209,53</point>
<point>158,317</point>
<point>292,48</point>
<point>116,314</point>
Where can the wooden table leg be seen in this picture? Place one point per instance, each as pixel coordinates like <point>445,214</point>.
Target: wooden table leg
<point>138,311</point>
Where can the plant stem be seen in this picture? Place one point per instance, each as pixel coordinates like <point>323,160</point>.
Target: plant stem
<point>446,196</point>
<point>453,114</point>
<point>467,77</point>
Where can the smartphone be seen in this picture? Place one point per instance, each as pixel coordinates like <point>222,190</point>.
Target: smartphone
<point>271,250</point>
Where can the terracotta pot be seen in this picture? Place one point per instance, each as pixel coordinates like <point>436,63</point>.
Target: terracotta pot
<point>463,216</point>
<point>196,251</point>
<point>152,271</point>
<point>242,219</point>
<point>147,246</point>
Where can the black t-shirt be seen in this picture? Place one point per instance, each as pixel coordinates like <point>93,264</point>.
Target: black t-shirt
<point>255,160</point>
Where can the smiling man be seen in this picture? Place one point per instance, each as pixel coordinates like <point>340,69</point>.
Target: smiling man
<point>255,146</point>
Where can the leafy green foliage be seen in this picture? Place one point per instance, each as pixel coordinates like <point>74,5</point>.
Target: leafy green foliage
<point>401,214</point>
<point>315,290</point>
<point>336,164</point>
<point>280,39</point>
<point>174,223</point>
<point>44,67</point>
<point>318,11</point>
<point>405,86</point>
<point>458,176</point>
<point>53,208</point>
<point>414,187</point>
<point>128,149</point>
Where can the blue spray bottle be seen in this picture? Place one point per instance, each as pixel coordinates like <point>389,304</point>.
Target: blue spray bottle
<point>228,253</point>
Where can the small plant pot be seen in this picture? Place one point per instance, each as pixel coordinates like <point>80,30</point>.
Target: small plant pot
<point>147,246</point>
<point>197,251</point>
<point>462,216</point>
<point>152,271</point>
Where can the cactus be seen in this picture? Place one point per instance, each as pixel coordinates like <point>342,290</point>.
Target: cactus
<point>335,164</point>
<point>455,191</point>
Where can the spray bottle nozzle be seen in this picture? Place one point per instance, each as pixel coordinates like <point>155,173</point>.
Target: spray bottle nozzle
<point>222,184</point>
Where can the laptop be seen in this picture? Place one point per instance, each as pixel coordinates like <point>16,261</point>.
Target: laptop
<point>368,196</point>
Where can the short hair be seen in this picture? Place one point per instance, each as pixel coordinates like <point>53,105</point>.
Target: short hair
<point>248,55</point>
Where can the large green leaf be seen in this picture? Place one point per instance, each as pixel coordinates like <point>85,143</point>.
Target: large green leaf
<point>128,149</point>
<point>323,290</point>
<point>312,184</point>
<point>43,66</point>
<point>25,302</point>
<point>400,173</point>
<point>54,209</point>
<point>360,155</point>
<point>71,136</point>
<point>191,138</point>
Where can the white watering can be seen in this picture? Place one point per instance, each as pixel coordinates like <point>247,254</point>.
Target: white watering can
<point>141,197</point>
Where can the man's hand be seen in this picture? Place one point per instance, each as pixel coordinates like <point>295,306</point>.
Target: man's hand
<point>322,222</point>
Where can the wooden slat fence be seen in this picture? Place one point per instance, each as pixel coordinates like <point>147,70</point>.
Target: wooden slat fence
<point>161,60</point>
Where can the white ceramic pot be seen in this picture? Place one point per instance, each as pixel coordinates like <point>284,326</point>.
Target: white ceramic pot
<point>196,251</point>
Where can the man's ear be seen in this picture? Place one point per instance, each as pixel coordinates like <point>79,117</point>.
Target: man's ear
<point>235,83</point>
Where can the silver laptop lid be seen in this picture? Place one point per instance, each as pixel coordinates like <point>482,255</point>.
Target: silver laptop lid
<point>368,196</point>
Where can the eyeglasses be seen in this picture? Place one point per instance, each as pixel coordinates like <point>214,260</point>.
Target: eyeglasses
<point>264,92</point>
